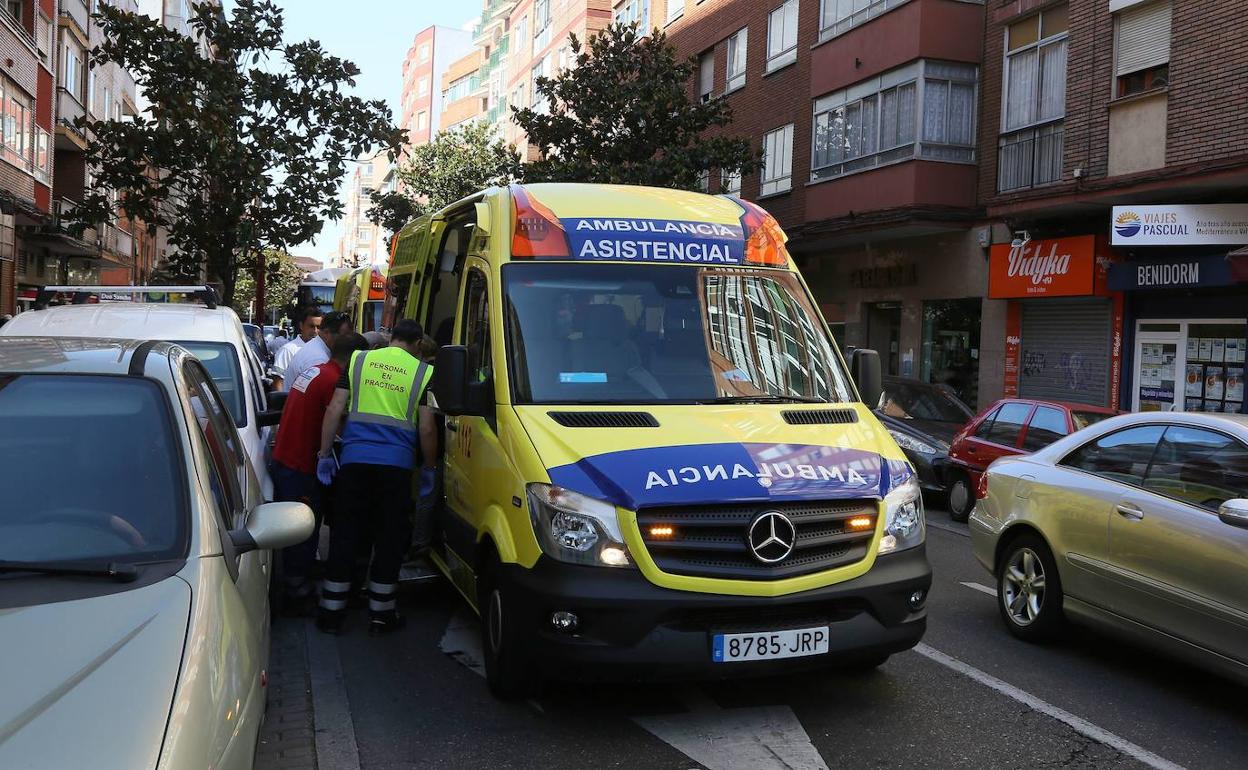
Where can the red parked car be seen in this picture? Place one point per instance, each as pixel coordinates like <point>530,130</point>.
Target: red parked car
<point>1011,426</point>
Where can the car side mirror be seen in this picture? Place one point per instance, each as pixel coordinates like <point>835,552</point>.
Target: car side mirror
<point>1234,512</point>
<point>864,365</point>
<point>274,525</point>
<point>277,399</point>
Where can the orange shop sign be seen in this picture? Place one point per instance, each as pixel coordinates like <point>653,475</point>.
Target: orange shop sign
<point>1062,267</point>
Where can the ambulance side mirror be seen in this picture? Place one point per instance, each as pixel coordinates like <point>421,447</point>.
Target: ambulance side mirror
<point>452,386</point>
<point>864,364</point>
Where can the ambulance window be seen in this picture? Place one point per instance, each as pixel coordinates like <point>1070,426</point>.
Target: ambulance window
<point>477,327</point>
<point>450,265</point>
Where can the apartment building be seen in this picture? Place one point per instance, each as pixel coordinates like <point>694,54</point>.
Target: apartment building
<point>522,40</point>
<point>465,97</point>
<point>28,43</point>
<point>362,242</point>
<point>432,52</point>
<point>104,253</point>
<point>1114,145</point>
<point>866,115</point>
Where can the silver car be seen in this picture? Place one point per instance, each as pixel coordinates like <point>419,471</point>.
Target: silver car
<point>134,574</point>
<point>1137,525</point>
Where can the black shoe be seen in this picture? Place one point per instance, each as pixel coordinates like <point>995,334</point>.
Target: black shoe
<point>330,621</point>
<point>385,623</point>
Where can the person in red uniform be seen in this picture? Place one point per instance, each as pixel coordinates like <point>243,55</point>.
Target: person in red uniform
<point>294,460</point>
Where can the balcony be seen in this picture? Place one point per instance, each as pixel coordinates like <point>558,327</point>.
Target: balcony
<point>1030,158</point>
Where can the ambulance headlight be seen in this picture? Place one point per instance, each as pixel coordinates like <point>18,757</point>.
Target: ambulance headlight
<point>904,524</point>
<point>576,529</point>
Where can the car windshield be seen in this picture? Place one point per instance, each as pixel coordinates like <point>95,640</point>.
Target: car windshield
<point>920,401</point>
<point>89,468</point>
<point>654,334</point>
<point>1084,419</point>
<point>221,361</point>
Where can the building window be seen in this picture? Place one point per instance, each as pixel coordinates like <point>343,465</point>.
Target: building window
<point>541,24</point>
<point>423,53</point>
<point>730,182</point>
<point>675,9</point>
<point>17,126</point>
<point>923,110</point>
<point>538,99</point>
<point>363,234</point>
<point>422,121</point>
<point>736,60</point>
<point>634,12</point>
<point>517,97</point>
<point>777,161</point>
<point>1142,48</point>
<point>522,35</point>
<point>706,76</point>
<point>73,78</point>
<point>422,87</point>
<point>366,169</point>
<point>837,17</point>
<point>14,9</point>
<point>106,104</point>
<point>458,89</point>
<point>782,36</point>
<point>1034,102</point>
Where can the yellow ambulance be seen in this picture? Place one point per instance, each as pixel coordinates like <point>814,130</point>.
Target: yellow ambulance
<point>361,294</point>
<point>656,463</point>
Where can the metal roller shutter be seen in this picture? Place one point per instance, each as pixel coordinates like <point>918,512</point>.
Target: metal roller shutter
<point>1066,351</point>
<point>1143,38</point>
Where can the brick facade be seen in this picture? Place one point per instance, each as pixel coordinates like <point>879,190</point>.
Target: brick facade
<point>1206,107</point>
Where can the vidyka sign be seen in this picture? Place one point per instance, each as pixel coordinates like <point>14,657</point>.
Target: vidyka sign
<point>655,240</point>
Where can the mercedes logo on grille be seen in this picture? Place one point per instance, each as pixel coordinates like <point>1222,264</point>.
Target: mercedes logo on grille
<point>772,537</point>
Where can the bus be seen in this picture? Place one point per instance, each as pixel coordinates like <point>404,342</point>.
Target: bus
<point>318,288</point>
<point>361,293</point>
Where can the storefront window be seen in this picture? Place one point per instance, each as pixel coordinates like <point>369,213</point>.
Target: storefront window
<point>1191,366</point>
<point>951,346</point>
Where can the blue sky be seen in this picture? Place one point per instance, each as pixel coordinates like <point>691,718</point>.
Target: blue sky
<point>375,34</point>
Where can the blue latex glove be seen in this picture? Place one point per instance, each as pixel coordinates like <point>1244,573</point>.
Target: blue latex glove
<point>326,467</point>
<point>428,477</point>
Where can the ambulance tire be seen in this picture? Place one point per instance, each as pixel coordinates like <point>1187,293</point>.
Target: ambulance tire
<point>507,669</point>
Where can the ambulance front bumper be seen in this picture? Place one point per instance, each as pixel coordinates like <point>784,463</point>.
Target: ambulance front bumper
<point>629,628</point>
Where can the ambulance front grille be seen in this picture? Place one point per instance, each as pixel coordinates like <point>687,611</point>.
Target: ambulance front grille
<point>713,540</point>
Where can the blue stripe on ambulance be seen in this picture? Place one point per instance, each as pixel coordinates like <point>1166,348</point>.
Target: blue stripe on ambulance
<point>731,473</point>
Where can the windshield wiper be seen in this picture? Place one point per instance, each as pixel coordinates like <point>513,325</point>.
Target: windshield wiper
<point>119,571</point>
<point>764,400</point>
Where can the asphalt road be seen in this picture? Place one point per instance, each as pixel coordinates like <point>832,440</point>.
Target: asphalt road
<point>972,696</point>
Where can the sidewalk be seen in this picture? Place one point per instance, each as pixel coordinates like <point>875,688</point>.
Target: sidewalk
<point>287,740</point>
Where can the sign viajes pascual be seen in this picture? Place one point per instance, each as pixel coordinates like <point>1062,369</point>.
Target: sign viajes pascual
<point>1220,224</point>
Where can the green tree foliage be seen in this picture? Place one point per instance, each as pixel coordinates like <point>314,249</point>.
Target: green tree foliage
<point>455,164</point>
<point>248,144</point>
<point>281,284</point>
<point>625,114</point>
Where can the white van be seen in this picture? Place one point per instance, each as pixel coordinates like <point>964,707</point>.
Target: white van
<point>211,332</point>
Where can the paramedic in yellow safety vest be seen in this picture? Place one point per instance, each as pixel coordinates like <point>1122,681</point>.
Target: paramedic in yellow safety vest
<point>382,393</point>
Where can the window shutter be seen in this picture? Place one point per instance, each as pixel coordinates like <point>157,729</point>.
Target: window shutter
<point>1143,38</point>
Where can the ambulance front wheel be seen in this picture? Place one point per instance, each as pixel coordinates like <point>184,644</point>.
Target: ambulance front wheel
<point>507,669</point>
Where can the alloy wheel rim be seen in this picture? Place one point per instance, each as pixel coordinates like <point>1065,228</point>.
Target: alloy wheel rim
<point>1023,584</point>
<point>495,624</point>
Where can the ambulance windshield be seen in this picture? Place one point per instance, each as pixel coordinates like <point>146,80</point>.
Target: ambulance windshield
<point>594,333</point>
